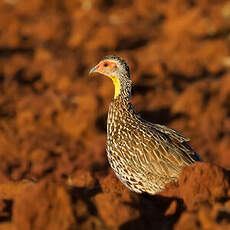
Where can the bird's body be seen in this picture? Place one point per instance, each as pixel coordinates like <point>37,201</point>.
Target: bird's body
<point>144,156</point>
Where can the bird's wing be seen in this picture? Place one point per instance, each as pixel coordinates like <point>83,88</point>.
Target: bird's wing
<point>171,147</point>
<point>171,132</point>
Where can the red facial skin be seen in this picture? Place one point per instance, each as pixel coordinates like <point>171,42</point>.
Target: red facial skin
<point>110,65</point>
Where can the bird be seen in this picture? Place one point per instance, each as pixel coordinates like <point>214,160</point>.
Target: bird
<point>144,156</point>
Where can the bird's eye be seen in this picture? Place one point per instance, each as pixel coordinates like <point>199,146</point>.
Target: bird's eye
<point>106,64</point>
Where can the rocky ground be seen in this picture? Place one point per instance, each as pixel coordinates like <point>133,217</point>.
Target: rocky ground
<point>53,168</point>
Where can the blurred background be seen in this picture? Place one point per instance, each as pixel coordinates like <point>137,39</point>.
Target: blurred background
<point>53,114</point>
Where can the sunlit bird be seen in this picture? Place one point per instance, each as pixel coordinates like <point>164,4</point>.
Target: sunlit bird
<point>143,155</point>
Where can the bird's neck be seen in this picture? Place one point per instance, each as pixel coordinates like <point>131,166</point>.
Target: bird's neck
<point>122,88</point>
<point>122,100</point>
<point>122,107</point>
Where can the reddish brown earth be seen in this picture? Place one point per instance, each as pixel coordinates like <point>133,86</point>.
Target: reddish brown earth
<point>53,168</point>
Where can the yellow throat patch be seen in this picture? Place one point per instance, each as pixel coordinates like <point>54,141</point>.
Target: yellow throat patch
<point>117,86</point>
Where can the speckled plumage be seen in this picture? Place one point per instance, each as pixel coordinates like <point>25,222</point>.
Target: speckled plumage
<point>144,156</point>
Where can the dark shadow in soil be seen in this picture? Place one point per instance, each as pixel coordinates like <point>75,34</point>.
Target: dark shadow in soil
<point>85,195</point>
<point>160,116</point>
<point>101,123</point>
<point>7,211</point>
<point>22,78</point>
<point>142,89</point>
<point>179,80</point>
<point>131,44</point>
<point>152,213</point>
<point>7,52</point>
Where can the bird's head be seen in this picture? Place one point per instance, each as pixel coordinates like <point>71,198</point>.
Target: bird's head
<point>116,69</point>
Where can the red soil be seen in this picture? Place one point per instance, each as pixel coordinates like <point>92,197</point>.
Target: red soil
<point>53,168</point>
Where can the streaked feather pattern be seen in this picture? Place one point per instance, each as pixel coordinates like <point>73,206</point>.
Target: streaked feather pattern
<point>143,155</point>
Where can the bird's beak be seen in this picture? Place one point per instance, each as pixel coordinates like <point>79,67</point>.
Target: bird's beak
<point>93,70</point>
